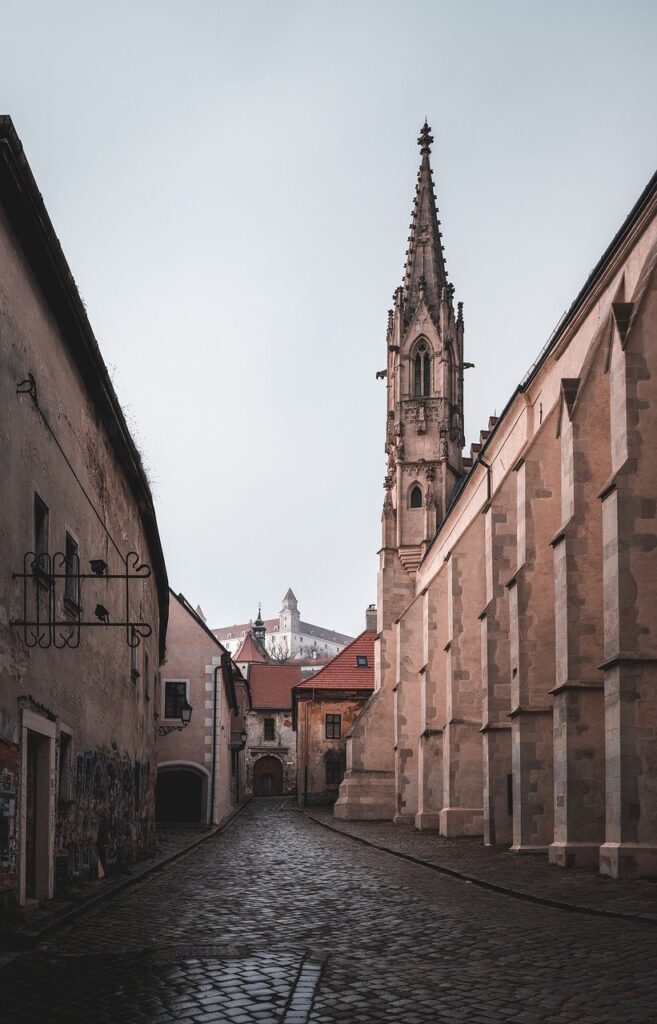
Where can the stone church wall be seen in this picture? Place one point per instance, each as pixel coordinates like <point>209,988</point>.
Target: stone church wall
<point>523,665</point>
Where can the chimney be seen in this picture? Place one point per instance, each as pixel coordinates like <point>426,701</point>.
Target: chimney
<point>370,617</point>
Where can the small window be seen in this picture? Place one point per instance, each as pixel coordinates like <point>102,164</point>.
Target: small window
<point>333,723</point>
<point>361,660</point>
<point>333,772</point>
<point>422,371</point>
<point>72,570</point>
<point>269,729</point>
<point>175,695</point>
<point>40,532</point>
<point>416,498</point>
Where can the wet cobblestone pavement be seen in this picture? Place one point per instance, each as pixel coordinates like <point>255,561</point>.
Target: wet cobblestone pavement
<point>578,887</point>
<point>276,919</point>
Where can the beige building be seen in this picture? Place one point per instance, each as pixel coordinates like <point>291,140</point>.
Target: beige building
<point>83,590</point>
<point>516,663</point>
<point>325,706</point>
<point>200,753</point>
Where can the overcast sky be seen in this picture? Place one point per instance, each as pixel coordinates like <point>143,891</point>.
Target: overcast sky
<point>232,185</point>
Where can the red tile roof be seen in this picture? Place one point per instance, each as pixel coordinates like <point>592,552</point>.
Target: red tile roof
<point>250,650</point>
<point>271,685</point>
<point>343,672</point>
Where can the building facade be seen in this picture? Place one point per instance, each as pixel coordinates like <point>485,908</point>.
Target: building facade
<point>83,591</point>
<point>286,638</point>
<point>270,745</point>
<point>517,651</point>
<point>325,707</point>
<point>201,765</point>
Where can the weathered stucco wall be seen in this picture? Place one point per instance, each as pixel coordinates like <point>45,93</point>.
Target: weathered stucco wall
<point>314,748</point>
<point>80,722</point>
<point>282,748</point>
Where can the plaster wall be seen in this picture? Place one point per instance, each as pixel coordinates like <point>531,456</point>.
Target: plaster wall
<point>203,746</point>
<point>101,696</point>
<point>313,746</point>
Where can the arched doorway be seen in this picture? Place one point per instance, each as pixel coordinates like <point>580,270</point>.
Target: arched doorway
<point>179,796</point>
<point>268,777</point>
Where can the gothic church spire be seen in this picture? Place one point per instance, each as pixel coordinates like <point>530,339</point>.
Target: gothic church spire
<point>425,275</point>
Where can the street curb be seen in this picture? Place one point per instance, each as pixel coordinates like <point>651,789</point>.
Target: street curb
<point>481,883</point>
<point>27,937</point>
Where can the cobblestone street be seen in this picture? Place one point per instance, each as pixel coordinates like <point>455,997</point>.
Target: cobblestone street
<point>277,919</point>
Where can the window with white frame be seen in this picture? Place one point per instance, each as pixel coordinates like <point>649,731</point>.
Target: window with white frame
<point>175,695</point>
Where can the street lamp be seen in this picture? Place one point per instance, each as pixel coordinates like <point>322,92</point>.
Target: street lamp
<point>185,709</point>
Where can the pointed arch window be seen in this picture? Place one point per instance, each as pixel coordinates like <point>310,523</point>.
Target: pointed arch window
<point>422,371</point>
<point>416,498</point>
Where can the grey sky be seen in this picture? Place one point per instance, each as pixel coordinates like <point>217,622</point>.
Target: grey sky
<point>232,186</point>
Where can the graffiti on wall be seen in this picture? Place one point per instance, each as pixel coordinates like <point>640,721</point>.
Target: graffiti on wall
<point>110,821</point>
<point>7,821</point>
<point>8,788</point>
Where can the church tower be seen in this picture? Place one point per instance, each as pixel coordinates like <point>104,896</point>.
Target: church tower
<point>424,443</point>
<point>424,438</point>
<point>259,628</point>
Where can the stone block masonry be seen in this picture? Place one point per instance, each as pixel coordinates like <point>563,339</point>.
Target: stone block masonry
<point>516,691</point>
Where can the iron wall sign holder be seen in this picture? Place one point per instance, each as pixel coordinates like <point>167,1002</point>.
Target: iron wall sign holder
<point>43,629</point>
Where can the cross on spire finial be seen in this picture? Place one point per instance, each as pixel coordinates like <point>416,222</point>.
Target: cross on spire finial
<point>425,139</point>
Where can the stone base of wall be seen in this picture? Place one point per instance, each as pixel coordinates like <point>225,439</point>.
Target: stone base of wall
<point>325,799</point>
<point>628,860</point>
<point>574,855</point>
<point>366,795</point>
<point>462,821</point>
<point>426,822</point>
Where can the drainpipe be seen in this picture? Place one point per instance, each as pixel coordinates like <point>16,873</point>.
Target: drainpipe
<point>215,676</point>
<point>305,760</point>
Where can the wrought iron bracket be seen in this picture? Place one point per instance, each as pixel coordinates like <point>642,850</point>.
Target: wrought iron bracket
<point>41,626</point>
<point>164,730</point>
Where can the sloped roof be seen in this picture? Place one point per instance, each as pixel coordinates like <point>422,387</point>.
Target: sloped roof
<point>343,672</point>
<point>251,650</point>
<point>271,685</point>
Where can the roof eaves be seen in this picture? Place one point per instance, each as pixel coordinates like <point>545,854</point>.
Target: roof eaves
<point>27,214</point>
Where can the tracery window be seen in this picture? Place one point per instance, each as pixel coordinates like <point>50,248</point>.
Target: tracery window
<point>422,371</point>
<point>416,498</point>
